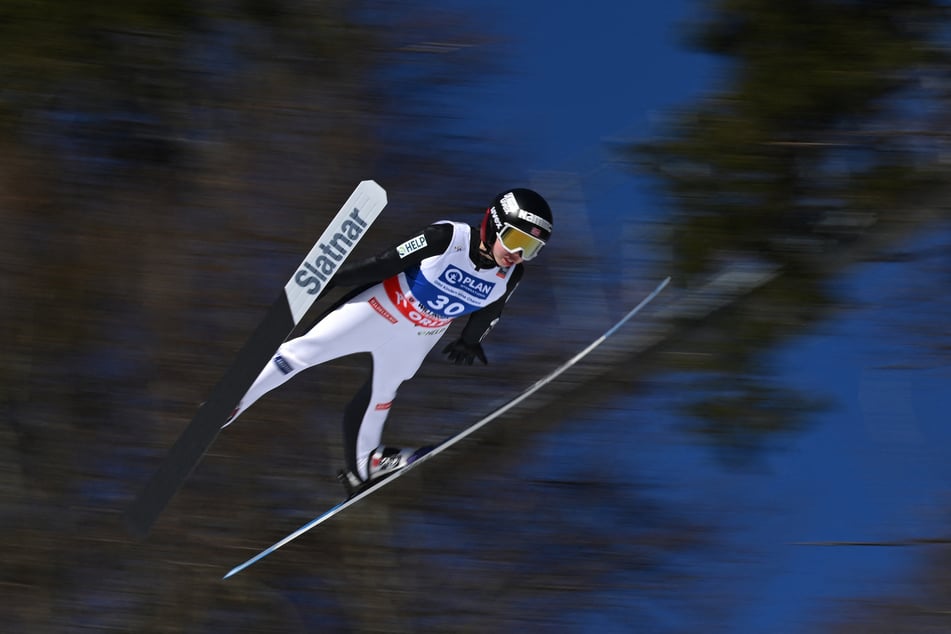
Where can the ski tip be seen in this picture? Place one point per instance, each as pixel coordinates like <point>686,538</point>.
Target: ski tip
<point>372,184</point>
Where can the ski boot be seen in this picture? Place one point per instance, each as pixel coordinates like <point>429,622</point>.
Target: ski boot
<point>384,462</point>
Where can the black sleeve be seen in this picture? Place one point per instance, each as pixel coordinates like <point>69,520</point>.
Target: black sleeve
<point>433,240</point>
<point>483,320</point>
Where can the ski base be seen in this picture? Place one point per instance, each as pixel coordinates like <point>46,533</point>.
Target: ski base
<point>301,291</point>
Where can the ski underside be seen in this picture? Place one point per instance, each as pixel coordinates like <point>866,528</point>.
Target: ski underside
<point>315,272</point>
<point>452,440</point>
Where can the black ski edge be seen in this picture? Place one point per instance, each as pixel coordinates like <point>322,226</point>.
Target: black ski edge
<point>184,456</point>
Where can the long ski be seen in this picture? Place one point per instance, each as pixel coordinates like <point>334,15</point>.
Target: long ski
<point>302,289</point>
<point>452,440</point>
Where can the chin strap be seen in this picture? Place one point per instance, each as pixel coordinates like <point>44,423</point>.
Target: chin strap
<point>485,260</point>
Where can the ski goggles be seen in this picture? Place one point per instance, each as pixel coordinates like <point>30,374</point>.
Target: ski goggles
<point>514,240</point>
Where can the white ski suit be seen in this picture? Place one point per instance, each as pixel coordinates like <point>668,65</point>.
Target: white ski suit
<point>408,296</point>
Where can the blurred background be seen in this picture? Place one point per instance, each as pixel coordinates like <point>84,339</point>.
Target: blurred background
<point>762,450</point>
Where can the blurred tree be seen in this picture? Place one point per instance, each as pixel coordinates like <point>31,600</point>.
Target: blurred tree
<point>828,139</point>
<point>165,166</point>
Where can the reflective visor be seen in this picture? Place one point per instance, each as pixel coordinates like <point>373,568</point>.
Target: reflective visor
<point>515,240</point>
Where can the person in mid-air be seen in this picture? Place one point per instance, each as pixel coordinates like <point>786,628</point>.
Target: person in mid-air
<point>404,300</point>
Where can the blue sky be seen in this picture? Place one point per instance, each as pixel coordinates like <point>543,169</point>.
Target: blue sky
<point>585,72</point>
<point>872,467</point>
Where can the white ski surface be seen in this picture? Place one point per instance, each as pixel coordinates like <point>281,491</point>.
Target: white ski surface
<point>333,246</point>
<point>454,439</point>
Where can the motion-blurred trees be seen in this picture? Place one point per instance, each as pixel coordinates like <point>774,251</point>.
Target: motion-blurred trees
<point>165,165</point>
<point>826,142</point>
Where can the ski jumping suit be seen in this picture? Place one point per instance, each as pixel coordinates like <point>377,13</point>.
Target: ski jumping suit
<point>428,281</point>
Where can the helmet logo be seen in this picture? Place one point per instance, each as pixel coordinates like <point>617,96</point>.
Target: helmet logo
<point>535,219</point>
<point>510,205</point>
<point>495,218</point>
<point>512,210</point>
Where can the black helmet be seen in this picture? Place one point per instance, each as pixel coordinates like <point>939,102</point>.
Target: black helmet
<point>522,219</point>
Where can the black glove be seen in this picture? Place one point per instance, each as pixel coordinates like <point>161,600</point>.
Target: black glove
<point>461,352</point>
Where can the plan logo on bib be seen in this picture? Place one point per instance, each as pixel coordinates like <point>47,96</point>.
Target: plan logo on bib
<point>459,279</point>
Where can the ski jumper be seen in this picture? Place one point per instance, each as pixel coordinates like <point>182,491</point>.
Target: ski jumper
<point>407,297</point>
